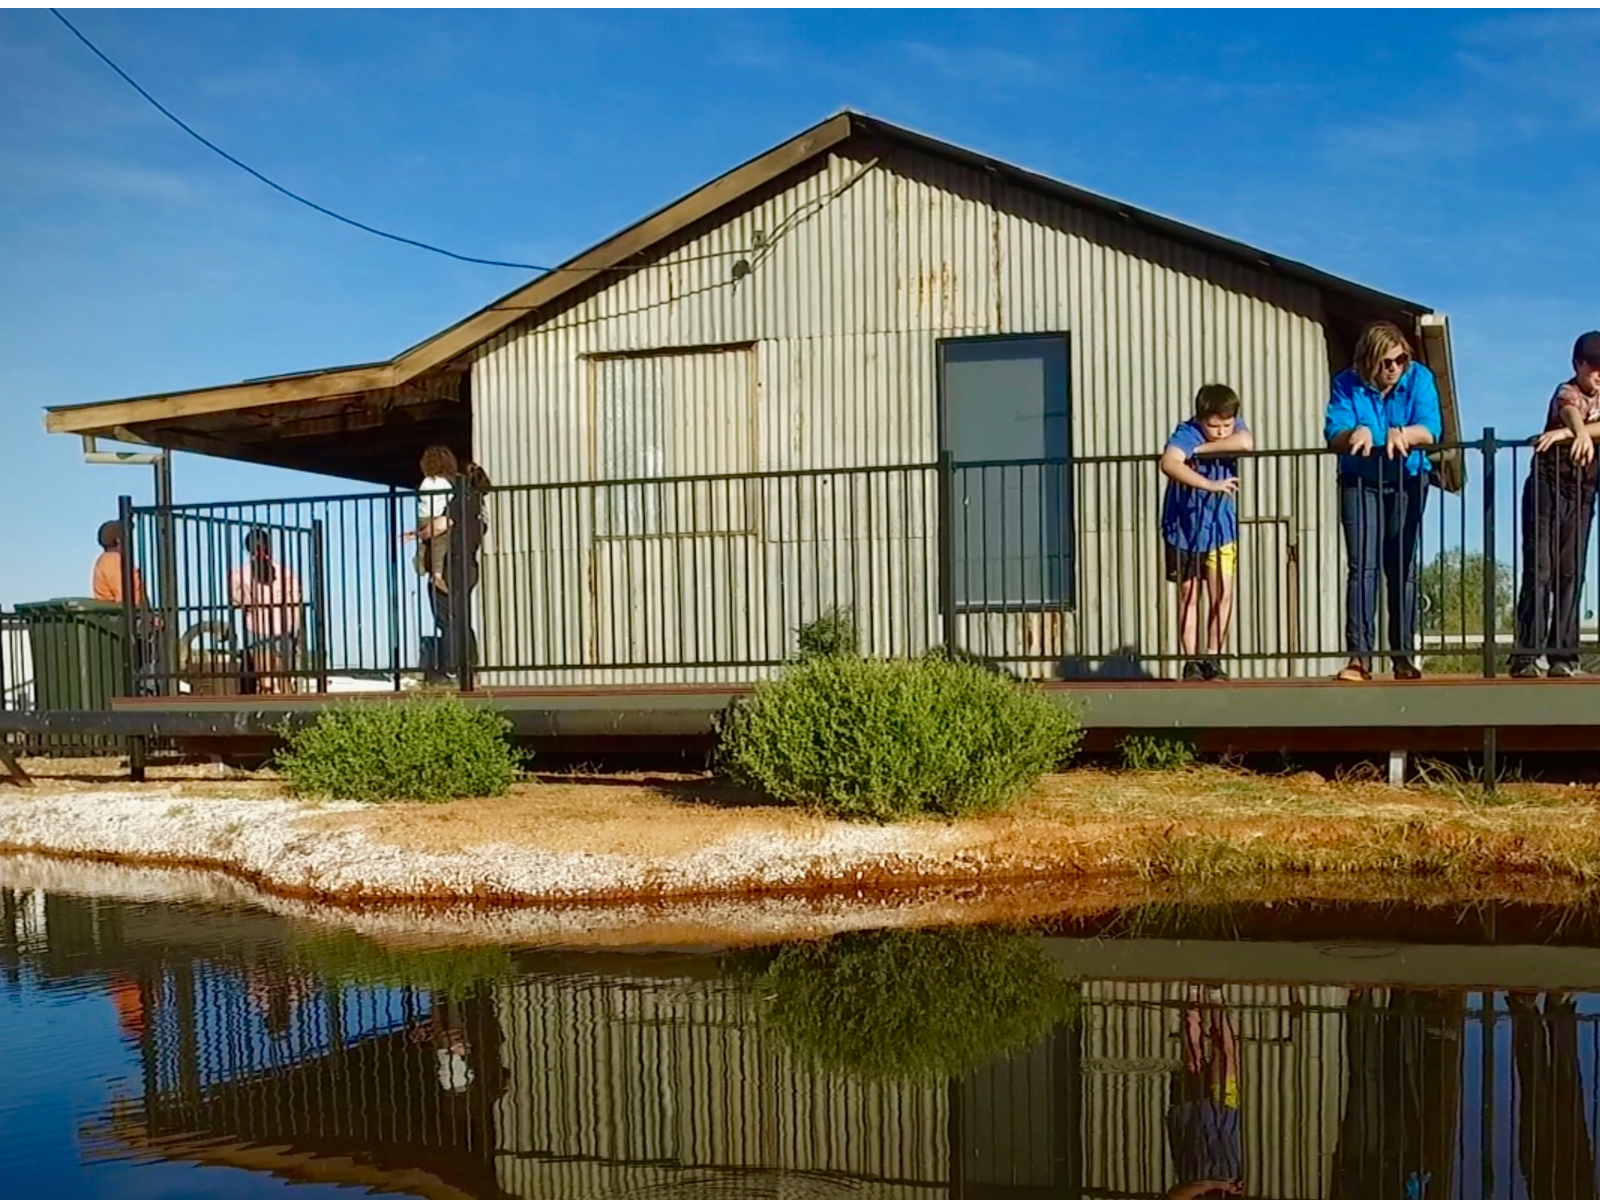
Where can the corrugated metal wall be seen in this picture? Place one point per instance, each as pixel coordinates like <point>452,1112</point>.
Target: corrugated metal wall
<point>863,266</point>
<point>617,1084</point>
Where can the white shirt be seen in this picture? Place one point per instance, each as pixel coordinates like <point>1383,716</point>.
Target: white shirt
<point>433,498</point>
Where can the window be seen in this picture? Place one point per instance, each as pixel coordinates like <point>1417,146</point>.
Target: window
<point>667,415</point>
<point>1004,418</point>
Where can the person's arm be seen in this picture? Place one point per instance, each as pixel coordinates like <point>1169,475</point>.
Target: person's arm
<point>1339,428</point>
<point>1240,442</point>
<point>1574,430</point>
<point>1175,466</point>
<point>1427,425</point>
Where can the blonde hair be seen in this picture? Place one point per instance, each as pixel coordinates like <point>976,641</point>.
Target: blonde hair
<point>439,462</point>
<point>1373,346</point>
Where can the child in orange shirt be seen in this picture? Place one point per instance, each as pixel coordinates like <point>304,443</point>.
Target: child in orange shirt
<point>107,578</point>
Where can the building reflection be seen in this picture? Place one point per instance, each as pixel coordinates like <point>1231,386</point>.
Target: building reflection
<point>639,1075</point>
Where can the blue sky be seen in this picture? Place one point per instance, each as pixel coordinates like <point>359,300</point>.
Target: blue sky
<point>1441,156</point>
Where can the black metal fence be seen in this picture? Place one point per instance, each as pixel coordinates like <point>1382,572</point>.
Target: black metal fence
<point>1054,568</point>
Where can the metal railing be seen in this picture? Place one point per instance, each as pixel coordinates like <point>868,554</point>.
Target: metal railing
<point>1052,568</point>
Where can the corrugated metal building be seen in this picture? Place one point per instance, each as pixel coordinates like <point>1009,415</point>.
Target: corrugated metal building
<point>859,297</point>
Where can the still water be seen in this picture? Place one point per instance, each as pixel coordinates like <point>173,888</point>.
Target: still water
<point>162,1050</point>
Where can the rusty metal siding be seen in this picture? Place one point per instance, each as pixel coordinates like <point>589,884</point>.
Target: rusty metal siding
<point>859,267</point>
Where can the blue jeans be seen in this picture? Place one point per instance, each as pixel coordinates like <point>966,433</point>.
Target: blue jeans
<point>1382,531</point>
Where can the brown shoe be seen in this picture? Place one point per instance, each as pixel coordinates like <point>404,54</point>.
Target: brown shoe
<point>1355,671</point>
<point>1404,668</point>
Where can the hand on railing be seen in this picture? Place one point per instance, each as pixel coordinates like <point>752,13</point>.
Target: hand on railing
<point>1582,451</point>
<point>1360,441</point>
<point>1221,487</point>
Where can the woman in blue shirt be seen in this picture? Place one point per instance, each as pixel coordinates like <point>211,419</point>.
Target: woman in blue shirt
<point>1381,413</point>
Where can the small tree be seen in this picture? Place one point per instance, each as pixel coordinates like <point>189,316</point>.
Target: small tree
<point>1451,589</point>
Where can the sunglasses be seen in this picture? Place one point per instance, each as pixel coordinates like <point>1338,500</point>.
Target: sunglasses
<point>1399,361</point>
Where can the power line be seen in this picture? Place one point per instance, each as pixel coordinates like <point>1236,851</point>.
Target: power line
<point>312,204</point>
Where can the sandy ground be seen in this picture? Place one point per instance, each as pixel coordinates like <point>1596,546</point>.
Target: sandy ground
<point>574,843</point>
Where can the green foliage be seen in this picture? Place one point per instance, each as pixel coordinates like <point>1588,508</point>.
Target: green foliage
<point>341,957</point>
<point>887,739</point>
<point>1156,752</point>
<point>1451,588</point>
<point>417,749</point>
<point>831,635</point>
<point>914,1005</point>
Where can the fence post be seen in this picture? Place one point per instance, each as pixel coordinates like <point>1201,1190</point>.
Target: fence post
<point>1491,568</point>
<point>133,646</point>
<point>946,552</point>
<point>394,614</point>
<point>319,605</point>
<point>462,501</point>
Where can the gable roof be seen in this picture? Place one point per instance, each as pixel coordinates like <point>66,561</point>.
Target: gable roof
<point>141,418</point>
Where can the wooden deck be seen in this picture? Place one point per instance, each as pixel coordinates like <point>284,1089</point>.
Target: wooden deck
<point>1434,714</point>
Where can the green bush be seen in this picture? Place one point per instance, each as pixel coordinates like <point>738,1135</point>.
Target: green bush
<point>897,1004</point>
<point>832,635</point>
<point>1156,752</point>
<point>342,957</point>
<point>885,739</point>
<point>416,749</point>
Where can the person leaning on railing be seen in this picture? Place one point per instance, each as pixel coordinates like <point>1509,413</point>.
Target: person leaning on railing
<point>1558,502</point>
<point>1381,413</point>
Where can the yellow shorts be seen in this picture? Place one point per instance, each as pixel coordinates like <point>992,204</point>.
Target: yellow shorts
<point>1197,564</point>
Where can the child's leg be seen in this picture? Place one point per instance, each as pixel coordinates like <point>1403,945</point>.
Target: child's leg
<point>1220,586</point>
<point>1189,616</point>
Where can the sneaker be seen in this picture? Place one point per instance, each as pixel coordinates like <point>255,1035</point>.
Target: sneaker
<point>1563,670</point>
<point>1194,671</point>
<point>1525,670</point>
<point>1354,672</point>
<point>1404,668</point>
<point>1213,669</point>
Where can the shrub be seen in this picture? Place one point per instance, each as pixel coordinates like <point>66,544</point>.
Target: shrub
<point>884,739</point>
<point>832,635</point>
<point>1156,752</point>
<point>898,1004</point>
<point>416,749</point>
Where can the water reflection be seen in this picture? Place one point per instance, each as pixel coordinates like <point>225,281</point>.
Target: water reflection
<point>983,1065</point>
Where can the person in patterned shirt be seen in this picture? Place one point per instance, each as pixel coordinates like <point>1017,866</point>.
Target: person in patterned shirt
<point>1558,503</point>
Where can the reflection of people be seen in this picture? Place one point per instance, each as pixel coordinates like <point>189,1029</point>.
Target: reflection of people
<point>1381,413</point>
<point>1553,1142</point>
<point>446,1032</point>
<point>267,593</point>
<point>128,1000</point>
<point>1203,1127</point>
<point>1397,1131</point>
<point>274,991</point>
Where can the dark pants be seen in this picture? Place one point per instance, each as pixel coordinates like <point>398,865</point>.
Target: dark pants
<point>1557,513</point>
<point>445,665</point>
<point>1382,532</point>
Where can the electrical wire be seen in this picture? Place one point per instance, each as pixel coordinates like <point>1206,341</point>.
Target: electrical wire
<point>312,204</point>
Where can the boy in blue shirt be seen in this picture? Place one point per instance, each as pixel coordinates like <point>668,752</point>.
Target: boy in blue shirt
<point>1200,521</point>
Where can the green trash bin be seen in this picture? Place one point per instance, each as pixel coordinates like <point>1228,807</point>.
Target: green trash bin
<point>80,652</point>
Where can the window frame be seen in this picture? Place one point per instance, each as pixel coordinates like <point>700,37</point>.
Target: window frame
<point>1063,514</point>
